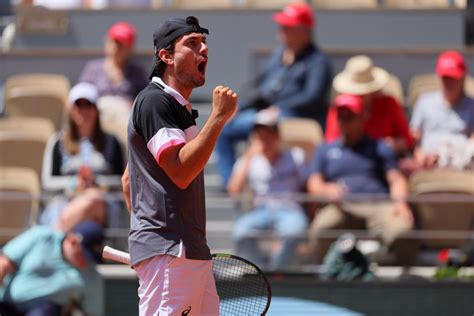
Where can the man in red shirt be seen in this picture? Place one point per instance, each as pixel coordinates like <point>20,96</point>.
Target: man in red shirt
<point>383,115</point>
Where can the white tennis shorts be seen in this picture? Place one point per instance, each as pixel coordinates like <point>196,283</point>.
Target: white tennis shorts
<point>178,286</point>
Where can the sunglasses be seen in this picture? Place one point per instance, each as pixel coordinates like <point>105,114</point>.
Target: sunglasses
<point>83,104</point>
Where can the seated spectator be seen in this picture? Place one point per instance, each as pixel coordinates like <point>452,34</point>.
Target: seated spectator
<point>270,173</point>
<point>383,116</point>
<point>352,165</point>
<point>78,161</point>
<point>116,75</point>
<point>444,116</point>
<point>44,272</point>
<point>295,82</point>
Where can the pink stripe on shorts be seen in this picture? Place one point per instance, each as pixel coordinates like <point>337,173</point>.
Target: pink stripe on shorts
<point>171,285</point>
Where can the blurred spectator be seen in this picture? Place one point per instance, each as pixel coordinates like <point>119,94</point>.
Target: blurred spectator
<point>268,170</point>
<point>294,83</point>
<point>356,164</point>
<point>116,75</point>
<point>444,116</point>
<point>44,272</point>
<point>80,159</point>
<point>383,116</point>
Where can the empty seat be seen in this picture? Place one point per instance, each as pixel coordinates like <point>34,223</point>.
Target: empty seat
<point>36,103</point>
<point>270,5</point>
<point>344,4</point>
<point>19,193</point>
<point>23,149</point>
<point>203,4</point>
<point>52,82</point>
<point>443,213</point>
<point>417,4</point>
<point>38,125</point>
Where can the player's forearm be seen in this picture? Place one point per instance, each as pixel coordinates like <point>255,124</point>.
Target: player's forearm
<point>193,156</point>
<point>126,188</point>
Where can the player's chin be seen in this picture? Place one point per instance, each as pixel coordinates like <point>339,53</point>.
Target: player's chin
<point>199,81</point>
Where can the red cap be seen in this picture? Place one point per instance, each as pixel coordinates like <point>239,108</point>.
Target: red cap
<point>351,102</point>
<point>123,33</point>
<point>295,14</point>
<point>451,64</point>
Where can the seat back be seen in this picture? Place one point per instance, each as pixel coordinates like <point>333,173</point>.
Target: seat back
<point>301,132</point>
<point>417,4</point>
<point>23,149</point>
<point>449,215</point>
<point>344,4</point>
<point>52,82</point>
<point>19,193</point>
<point>19,124</point>
<point>35,103</point>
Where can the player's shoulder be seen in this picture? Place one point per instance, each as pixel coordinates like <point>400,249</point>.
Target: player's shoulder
<point>152,98</point>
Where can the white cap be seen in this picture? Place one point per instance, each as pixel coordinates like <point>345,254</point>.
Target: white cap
<point>83,90</point>
<point>266,118</point>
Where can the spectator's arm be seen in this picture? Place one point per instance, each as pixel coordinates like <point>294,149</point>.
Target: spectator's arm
<point>126,188</point>
<point>319,187</point>
<point>51,177</point>
<point>399,192</point>
<point>314,91</point>
<point>6,267</point>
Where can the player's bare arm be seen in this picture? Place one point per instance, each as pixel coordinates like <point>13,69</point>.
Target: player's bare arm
<point>126,187</point>
<point>182,163</point>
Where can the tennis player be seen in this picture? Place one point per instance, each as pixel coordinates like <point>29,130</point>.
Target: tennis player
<point>167,155</point>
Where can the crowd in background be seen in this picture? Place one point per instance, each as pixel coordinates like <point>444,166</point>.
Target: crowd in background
<point>371,146</point>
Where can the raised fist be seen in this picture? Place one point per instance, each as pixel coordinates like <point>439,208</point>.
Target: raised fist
<point>224,102</point>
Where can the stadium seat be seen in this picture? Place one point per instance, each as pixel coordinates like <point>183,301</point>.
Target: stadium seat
<point>23,149</point>
<point>19,123</point>
<point>417,4</point>
<point>203,4</point>
<point>36,103</point>
<point>423,83</point>
<point>19,192</point>
<point>448,215</point>
<point>269,5</point>
<point>344,4</point>
<point>52,82</point>
<point>301,132</point>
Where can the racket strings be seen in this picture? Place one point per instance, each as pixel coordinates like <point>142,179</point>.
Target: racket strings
<point>241,287</point>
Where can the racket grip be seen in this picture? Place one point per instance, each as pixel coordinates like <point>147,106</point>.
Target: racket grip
<point>115,255</point>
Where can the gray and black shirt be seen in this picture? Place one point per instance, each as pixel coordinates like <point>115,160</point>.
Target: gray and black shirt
<point>164,218</point>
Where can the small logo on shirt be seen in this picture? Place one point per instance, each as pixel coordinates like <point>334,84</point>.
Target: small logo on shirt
<point>186,311</point>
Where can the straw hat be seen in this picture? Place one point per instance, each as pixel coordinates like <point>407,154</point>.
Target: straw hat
<point>360,76</point>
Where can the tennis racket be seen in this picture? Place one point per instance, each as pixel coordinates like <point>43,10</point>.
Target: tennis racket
<point>242,287</point>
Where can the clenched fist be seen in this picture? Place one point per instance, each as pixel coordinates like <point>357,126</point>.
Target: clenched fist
<point>224,102</point>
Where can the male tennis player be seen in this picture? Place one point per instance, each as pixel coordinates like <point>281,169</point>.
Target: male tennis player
<point>167,155</point>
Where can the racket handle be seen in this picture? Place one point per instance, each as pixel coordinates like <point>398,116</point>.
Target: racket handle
<point>116,255</point>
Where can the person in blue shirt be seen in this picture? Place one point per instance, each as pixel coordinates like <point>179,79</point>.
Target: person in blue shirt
<point>354,167</point>
<point>45,272</point>
<point>295,82</point>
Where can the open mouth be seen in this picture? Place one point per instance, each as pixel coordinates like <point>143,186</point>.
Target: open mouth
<point>202,67</point>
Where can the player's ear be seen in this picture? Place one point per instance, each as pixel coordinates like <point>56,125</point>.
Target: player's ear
<point>165,56</point>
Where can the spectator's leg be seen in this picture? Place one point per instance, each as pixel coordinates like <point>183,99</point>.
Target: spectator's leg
<point>290,226</point>
<point>7,309</point>
<point>245,230</point>
<point>44,309</point>
<point>236,130</point>
<point>90,205</point>
<point>391,227</point>
<point>329,217</point>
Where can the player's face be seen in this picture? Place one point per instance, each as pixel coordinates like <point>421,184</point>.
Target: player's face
<point>190,60</point>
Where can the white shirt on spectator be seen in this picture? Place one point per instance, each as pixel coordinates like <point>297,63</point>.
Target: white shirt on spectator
<point>436,119</point>
<point>287,175</point>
